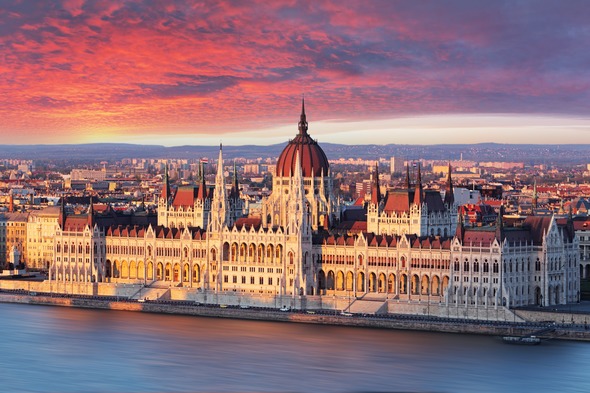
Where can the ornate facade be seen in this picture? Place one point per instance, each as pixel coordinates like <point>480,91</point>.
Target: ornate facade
<point>415,252</point>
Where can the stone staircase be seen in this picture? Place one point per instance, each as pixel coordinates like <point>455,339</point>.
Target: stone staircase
<point>368,307</point>
<point>152,291</point>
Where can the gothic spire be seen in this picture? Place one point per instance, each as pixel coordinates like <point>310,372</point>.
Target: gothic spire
<point>449,195</point>
<point>218,209</point>
<point>460,231</point>
<point>166,187</point>
<point>500,223</point>
<point>302,119</point>
<point>91,213</point>
<point>219,178</point>
<point>418,191</point>
<point>202,193</point>
<point>407,177</point>
<point>535,197</point>
<point>375,191</point>
<point>62,218</point>
<point>235,190</point>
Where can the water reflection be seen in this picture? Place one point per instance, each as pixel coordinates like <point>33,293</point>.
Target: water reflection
<point>59,349</point>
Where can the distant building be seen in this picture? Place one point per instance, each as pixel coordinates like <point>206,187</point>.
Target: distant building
<point>252,168</point>
<point>88,174</point>
<point>502,165</point>
<point>397,165</point>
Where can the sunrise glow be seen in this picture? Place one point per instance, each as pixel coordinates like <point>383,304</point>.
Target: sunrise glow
<point>169,73</point>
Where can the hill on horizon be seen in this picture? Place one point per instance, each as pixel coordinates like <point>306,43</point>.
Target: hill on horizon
<point>529,153</point>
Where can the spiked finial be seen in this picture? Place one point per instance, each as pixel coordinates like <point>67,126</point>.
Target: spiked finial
<point>449,194</point>
<point>375,192</point>
<point>91,213</point>
<point>302,119</point>
<point>418,191</point>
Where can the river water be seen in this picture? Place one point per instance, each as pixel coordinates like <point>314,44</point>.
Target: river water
<point>55,349</point>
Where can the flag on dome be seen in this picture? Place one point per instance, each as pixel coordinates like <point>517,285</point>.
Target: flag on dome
<point>204,160</point>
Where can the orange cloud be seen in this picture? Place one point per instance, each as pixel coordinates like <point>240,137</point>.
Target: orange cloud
<point>72,68</point>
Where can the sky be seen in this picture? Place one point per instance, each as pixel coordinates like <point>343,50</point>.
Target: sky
<point>199,73</point>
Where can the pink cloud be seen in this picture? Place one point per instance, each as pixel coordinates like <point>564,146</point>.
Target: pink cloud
<point>85,65</point>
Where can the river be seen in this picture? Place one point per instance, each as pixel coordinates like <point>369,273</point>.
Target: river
<point>56,349</point>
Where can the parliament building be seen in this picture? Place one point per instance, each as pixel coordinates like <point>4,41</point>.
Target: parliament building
<point>414,253</point>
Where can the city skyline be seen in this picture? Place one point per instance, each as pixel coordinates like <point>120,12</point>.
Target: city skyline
<point>383,72</point>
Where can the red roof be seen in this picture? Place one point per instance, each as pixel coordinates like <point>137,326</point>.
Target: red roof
<point>478,236</point>
<point>75,223</point>
<point>313,159</point>
<point>398,201</point>
<point>185,197</point>
<point>248,222</point>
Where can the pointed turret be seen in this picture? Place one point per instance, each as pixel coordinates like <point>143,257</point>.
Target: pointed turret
<point>500,224</point>
<point>375,191</point>
<point>90,218</point>
<point>460,231</point>
<point>449,194</point>
<point>235,189</point>
<point>407,185</point>
<point>302,119</point>
<point>570,225</point>
<point>219,177</point>
<point>418,199</point>
<point>62,211</point>
<point>219,207</point>
<point>297,206</point>
<point>535,197</point>
<point>202,192</point>
<point>166,185</point>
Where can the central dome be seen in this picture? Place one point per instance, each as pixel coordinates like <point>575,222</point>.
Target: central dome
<point>313,159</point>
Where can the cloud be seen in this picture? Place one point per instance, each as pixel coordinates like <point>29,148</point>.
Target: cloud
<point>48,102</point>
<point>218,66</point>
<point>198,86</point>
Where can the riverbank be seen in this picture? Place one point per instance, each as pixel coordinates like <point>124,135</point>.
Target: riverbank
<point>322,317</point>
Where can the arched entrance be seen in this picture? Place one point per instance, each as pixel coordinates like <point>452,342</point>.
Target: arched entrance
<point>425,286</point>
<point>381,283</point>
<point>321,282</point>
<point>340,281</point>
<point>415,284</point>
<point>349,281</point>
<point>391,283</point>
<point>360,282</point>
<point>372,282</point>
<point>330,281</point>
<point>403,284</point>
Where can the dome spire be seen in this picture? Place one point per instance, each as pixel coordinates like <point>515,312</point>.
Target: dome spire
<point>302,119</point>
